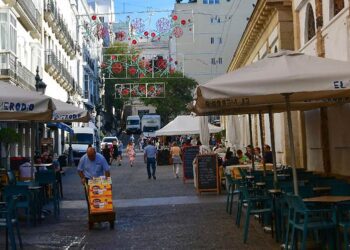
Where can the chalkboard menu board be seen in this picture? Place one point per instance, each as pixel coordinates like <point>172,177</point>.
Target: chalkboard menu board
<point>189,153</point>
<point>207,173</point>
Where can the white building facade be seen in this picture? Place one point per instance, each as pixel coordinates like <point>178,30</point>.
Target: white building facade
<point>217,29</point>
<point>44,35</point>
<point>322,28</point>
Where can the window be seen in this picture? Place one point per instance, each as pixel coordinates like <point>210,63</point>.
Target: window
<point>336,6</point>
<point>8,25</point>
<point>220,60</point>
<point>3,30</point>
<point>310,23</point>
<point>220,40</point>
<point>86,86</point>
<point>211,1</point>
<point>213,61</point>
<point>212,40</point>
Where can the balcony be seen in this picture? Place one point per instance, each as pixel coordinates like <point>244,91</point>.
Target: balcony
<point>51,63</point>
<point>56,21</point>
<point>29,16</point>
<point>12,70</point>
<point>58,71</point>
<point>49,11</point>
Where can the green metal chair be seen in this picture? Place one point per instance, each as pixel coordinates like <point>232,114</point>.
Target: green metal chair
<point>260,205</point>
<point>231,192</point>
<point>48,178</point>
<point>305,220</point>
<point>25,200</point>
<point>9,221</point>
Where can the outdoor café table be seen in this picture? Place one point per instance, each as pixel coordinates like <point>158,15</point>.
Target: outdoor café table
<point>42,166</point>
<point>321,189</point>
<point>228,169</point>
<point>275,193</point>
<point>37,193</point>
<point>333,200</point>
<point>330,199</point>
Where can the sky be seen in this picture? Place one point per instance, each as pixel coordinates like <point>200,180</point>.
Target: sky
<point>143,6</point>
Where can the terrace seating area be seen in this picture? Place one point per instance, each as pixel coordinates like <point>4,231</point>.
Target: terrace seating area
<point>318,216</point>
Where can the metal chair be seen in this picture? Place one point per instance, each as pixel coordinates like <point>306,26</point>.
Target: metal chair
<point>48,178</point>
<point>260,205</point>
<point>9,221</point>
<point>305,220</point>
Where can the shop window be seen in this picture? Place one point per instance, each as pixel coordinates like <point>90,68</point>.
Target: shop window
<point>310,23</point>
<point>336,7</point>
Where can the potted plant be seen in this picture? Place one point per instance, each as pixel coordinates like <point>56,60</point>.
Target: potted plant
<point>9,136</point>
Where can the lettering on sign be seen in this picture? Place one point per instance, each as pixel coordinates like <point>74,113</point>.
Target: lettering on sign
<point>57,116</point>
<point>228,102</point>
<point>339,85</point>
<point>16,106</point>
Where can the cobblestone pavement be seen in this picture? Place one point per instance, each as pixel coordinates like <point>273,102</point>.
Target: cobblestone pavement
<point>151,214</point>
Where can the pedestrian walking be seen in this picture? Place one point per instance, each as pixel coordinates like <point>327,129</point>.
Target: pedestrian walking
<point>130,151</point>
<point>150,155</point>
<point>120,152</point>
<point>106,152</point>
<point>114,153</point>
<point>175,152</point>
<point>91,165</point>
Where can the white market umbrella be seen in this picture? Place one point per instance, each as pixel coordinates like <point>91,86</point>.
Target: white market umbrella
<point>204,130</point>
<point>185,125</point>
<point>282,81</point>
<point>68,113</point>
<point>18,104</point>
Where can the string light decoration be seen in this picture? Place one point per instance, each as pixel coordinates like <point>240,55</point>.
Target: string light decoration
<point>134,66</point>
<point>136,30</point>
<point>140,90</point>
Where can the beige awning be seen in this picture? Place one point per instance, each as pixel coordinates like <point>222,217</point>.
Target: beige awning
<point>68,113</point>
<point>23,105</point>
<point>312,81</point>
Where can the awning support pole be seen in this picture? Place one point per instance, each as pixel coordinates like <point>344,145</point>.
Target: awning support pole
<point>262,141</point>
<point>273,145</point>
<point>291,144</point>
<point>251,140</point>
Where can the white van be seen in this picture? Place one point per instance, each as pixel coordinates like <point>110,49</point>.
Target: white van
<point>133,124</point>
<point>81,139</point>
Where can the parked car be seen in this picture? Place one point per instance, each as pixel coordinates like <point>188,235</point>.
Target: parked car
<point>216,123</point>
<point>108,140</point>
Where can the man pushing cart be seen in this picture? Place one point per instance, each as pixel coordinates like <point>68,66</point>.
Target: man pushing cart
<point>94,172</point>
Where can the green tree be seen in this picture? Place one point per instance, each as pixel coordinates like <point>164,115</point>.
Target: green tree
<point>178,93</point>
<point>9,136</point>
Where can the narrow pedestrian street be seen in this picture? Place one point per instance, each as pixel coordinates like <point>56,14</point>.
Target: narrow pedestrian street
<point>151,214</point>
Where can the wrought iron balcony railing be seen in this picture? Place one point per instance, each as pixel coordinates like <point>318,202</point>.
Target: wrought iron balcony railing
<point>12,69</point>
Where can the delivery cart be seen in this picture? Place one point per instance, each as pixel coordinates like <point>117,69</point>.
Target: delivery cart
<point>98,194</point>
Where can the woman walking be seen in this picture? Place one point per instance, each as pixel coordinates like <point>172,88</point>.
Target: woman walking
<point>114,153</point>
<point>106,152</point>
<point>130,152</point>
<point>175,152</point>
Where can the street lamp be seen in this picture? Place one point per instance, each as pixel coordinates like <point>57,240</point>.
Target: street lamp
<point>40,86</point>
<point>69,99</point>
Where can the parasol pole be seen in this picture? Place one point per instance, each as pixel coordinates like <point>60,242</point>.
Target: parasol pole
<point>273,145</point>
<point>251,140</point>
<point>262,141</point>
<point>291,143</point>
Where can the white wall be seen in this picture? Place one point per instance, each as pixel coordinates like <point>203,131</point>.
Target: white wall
<point>336,38</point>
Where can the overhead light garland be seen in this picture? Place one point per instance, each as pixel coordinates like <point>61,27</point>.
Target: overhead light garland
<point>140,90</point>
